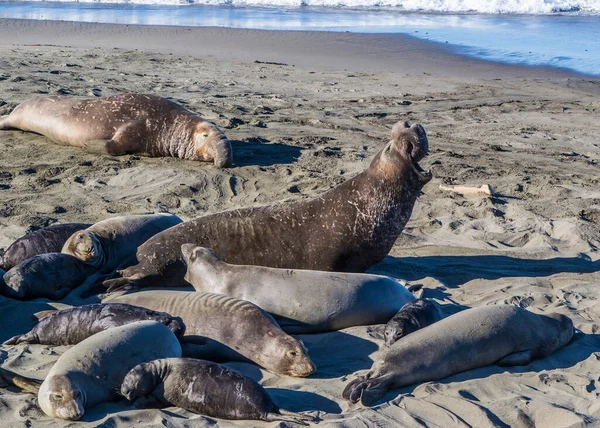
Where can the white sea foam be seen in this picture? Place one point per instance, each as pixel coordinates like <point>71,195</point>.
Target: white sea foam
<point>529,7</point>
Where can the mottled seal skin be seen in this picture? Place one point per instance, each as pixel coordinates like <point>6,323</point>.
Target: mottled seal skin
<point>123,124</point>
<point>51,276</point>
<point>46,240</point>
<point>113,242</point>
<point>237,324</point>
<point>347,229</point>
<point>204,387</point>
<point>503,334</point>
<point>73,325</point>
<point>413,316</point>
<point>302,301</point>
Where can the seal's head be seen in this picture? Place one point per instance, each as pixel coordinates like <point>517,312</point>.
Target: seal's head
<point>394,330</point>
<point>139,382</point>
<point>211,144</point>
<point>86,247</point>
<point>60,397</point>
<point>407,146</point>
<point>290,356</point>
<point>198,261</point>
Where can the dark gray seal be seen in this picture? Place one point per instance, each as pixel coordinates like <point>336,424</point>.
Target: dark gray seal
<point>347,229</point>
<point>203,387</point>
<point>46,240</point>
<point>413,316</point>
<point>503,334</point>
<point>73,325</point>
<point>51,276</point>
<point>123,124</point>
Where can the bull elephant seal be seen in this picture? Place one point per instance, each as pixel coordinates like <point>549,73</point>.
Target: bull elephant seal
<point>111,243</point>
<point>302,301</point>
<point>503,334</point>
<point>51,276</point>
<point>73,325</point>
<point>122,124</point>
<point>92,371</point>
<point>237,324</point>
<point>413,316</point>
<point>203,387</point>
<point>347,229</point>
<point>45,240</point>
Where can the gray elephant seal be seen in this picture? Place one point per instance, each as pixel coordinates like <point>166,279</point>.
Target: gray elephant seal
<point>413,316</point>
<point>302,301</point>
<point>206,388</point>
<point>237,324</point>
<point>46,240</point>
<point>122,124</point>
<point>347,229</point>
<point>113,242</point>
<point>51,276</point>
<point>73,325</point>
<point>503,334</point>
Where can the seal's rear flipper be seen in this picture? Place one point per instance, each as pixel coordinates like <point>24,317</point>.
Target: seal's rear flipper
<point>29,385</point>
<point>116,284</point>
<point>516,359</point>
<point>365,390</point>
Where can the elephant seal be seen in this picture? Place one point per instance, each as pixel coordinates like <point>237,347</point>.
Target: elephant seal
<point>413,316</point>
<point>123,124</point>
<point>503,334</point>
<point>347,229</point>
<point>113,242</point>
<point>237,324</point>
<point>73,325</point>
<point>42,241</point>
<point>205,388</point>
<point>302,301</point>
<point>51,276</point>
<point>92,371</point>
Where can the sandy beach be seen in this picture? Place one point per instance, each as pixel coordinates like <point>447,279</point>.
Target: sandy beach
<point>306,111</point>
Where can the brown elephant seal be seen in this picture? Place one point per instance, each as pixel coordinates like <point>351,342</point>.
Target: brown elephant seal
<point>302,301</point>
<point>413,316</point>
<point>123,124</point>
<point>347,229</point>
<point>45,240</point>
<point>503,334</point>
<point>92,371</point>
<point>237,324</point>
<point>51,275</point>
<point>205,388</point>
<point>113,242</point>
<point>73,325</point>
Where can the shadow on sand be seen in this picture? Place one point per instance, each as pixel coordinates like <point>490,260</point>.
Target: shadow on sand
<point>260,152</point>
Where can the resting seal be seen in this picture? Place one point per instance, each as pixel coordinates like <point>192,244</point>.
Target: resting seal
<point>111,243</point>
<point>73,325</point>
<point>413,316</point>
<point>347,229</point>
<point>205,388</point>
<point>303,301</point>
<point>503,334</point>
<point>46,240</point>
<point>240,325</point>
<point>122,124</point>
<point>51,275</point>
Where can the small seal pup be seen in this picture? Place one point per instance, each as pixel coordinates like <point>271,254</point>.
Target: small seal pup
<point>205,388</point>
<point>347,229</point>
<point>237,324</point>
<point>302,301</point>
<point>113,242</point>
<point>123,124</point>
<point>51,275</point>
<point>42,241</point>
<point>73,325</point>
<point>92,371</point>
<point>413,316</point>
<point>503,334</point>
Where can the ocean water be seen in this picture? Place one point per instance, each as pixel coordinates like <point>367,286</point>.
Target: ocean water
<point>556,33</point>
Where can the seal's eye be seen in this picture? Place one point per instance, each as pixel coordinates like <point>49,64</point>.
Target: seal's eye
<point>57,397</point>
<point>293,354</point>
<point>80,236</point>
<point>205,135</point>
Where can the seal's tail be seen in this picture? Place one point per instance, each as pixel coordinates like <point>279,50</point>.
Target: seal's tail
<point>287,416</point>
<point>29,385</point>
<point>364,389</point>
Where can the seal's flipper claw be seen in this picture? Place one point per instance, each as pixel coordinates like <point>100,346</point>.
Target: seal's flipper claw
<point>29,385</point>
<point>516,359</point>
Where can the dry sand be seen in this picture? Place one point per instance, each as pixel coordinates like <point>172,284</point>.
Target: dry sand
<point>300,128</point>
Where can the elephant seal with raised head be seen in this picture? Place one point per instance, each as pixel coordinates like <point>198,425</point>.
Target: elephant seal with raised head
<point>413,316</point>
<point>123,124</point>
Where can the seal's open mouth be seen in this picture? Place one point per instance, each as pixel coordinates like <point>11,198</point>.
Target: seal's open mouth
<point>424,176</point>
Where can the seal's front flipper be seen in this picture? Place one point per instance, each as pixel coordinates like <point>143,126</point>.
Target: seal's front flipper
<point>38,316</point>
<point>287,416</point>
<point>376,331</point>
<point>103,147</point>
<point>516,359</point>
<point>4,122</point>
<point>29,385</point>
